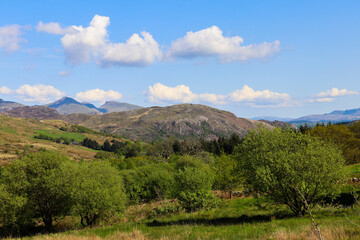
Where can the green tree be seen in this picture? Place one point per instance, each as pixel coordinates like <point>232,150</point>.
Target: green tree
<point>344,137</point>
<point>285,165</point>
<point>97,190</point>
<point>225,172</point>
<point>11,214</point>
<point>193,188</point>
<point>42,179</point>
<point>147,183</point>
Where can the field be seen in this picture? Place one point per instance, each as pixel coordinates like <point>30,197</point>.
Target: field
<point>17,138</point>
<point>240,218</point>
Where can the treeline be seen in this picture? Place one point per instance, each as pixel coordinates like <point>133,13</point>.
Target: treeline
<point>61,140</point>
<point>166,148</point>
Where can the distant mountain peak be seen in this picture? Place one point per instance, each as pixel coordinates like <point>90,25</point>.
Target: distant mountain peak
<point>68,105</point>
<point>334,116</point>
<point>114,106</point>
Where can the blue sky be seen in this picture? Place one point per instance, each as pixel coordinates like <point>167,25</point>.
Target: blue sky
<point>253,58</point>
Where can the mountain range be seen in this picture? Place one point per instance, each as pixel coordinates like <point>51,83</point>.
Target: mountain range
<point>68,105</point>
<point>155,123</point>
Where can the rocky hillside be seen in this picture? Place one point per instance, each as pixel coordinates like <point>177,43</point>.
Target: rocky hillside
<point>35,112</point>
<point>184,120</point>
<point>8,105</point>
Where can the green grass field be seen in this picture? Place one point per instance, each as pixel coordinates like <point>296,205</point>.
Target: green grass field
<point>244,218</point>
<point>57,134</point>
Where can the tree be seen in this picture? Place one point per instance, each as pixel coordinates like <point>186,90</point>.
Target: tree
<point>285,165</point>
<point>193,188</point>
<point>147,183</point>
<point>97,190</point>
<point>42,179</point>
<point>226,177</point>
<point>11,214</point>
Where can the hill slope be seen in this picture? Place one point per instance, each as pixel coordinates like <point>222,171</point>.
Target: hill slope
<point>17,137</point>
<point>35,112</point>
<point>183,120</point>
<point>7,105</point>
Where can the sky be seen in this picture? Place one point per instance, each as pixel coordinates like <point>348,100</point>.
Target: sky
<point>253,58</point>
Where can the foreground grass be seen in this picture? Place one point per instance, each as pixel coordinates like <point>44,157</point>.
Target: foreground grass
<point>235,219</point>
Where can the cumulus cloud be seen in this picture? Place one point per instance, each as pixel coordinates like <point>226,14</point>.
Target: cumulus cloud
<point>5,90</point>
<point>335,92</point>
<point>39,93</point>
<point>137,51</point>
<point>54,28</point>
<point>98,95</point>
<point>84,44</point>
<point>10,37</point>
<point>210,42</point>
<point>247,94</point>
<point>331,95</point>
<point>159,93</point>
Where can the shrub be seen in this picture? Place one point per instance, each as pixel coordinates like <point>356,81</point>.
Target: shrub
<point>193,189</point>
<point>147,183</point>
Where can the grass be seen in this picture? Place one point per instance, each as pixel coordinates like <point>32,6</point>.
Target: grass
<point>353,170</point>
<point>57,134</point>
<point>244,218</point>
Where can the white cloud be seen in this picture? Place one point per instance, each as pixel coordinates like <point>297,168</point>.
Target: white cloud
<point>211,42</point>
<point>54,28</point>
<point>39,93</point>
<point>84,44</point>
<point>321,100</point>
<point>330,95</point>
<point>159,93</point>
<point>247,94</point>
<point>64,73</point>
<point>335,92</point>
<point>98,95</point>
<point>137,51</point>
<point>5,90</point>
<point>10,37</point>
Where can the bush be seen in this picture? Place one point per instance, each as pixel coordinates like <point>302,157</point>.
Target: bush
<point>193,189</point>
<point>165,210</point>
<point>147,183</point>
<point>288,166</point>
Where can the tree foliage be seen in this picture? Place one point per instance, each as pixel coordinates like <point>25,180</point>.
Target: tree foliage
<point>346,137</point>
<point>282,164</point>
<point>97,190</point>
<point>42,179</point>
<point>193,188</point>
